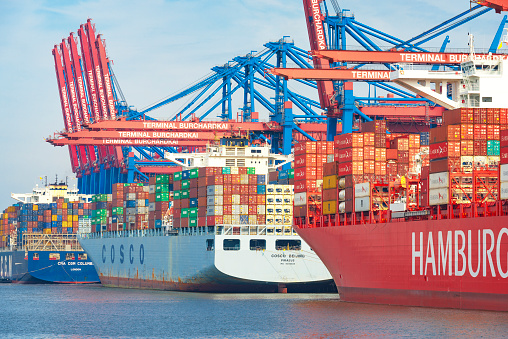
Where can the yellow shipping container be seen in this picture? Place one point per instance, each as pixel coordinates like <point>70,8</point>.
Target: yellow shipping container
<point>69,218</point>
<point>64,223</point>
<point>54,217</point>
<point>330,181</point>
<point>64,206</point>
<point>75,218</point>
<point>35,207</point>
<point>329,207</point>
<point>46,231</point>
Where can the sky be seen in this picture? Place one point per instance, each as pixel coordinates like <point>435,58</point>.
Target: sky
<point>158,48</point>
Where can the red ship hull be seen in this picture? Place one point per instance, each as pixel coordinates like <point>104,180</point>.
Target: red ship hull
<point>454,263</point>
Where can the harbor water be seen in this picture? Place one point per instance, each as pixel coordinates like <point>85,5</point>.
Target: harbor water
<point>76,311</point>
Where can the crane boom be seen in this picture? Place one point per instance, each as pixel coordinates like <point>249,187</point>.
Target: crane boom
<point>65,104</point>
<point>317,40</point>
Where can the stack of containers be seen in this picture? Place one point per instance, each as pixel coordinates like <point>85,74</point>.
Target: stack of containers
<point>279,204</point>
<point>309,159</point>
<point>60,217</point>
<point>465,153</point>
<point>117,205</point>
<point>330,188</point>
<point>503,168</point>
<point>225,195</point>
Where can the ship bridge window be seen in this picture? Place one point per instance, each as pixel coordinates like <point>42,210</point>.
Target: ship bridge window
<point>54,256</point>
<point>36,256</point>
<point>209,244</point>
<point>69,256</point>
<point>255,151</point>
<point>231,245</point>
<point>486,99</point>
<point>290,245</point>
<point>257,244</point>
<point>82,256</point>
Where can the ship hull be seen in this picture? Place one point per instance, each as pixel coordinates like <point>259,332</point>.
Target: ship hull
<point>189,263</point>
<point>24,269</point>
<point>457,263</point>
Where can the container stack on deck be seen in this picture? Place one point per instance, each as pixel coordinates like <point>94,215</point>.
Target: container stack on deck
<point>59,217</point>
<point>211,196</point>
<point>309,159</point>
<point>464,155</point>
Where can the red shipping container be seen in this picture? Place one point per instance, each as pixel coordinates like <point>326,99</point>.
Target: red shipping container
<point>242,170</point>
<point>403,157</point>
<point>202,200</point>
<point>368,139</point>
<point>244,189</point>
<point>467,148</point>
<point>305,173</point>
<point>227,178</point>
<point>458,116</point>
<point>348,140</point>
<point>330,168</point>
<point>466,132</point>
<point>414,141</point>
<point>354,167</point>
<point>376,126</point>
<point>330,194</point>
<point>369,167</point>
<point>492,132</point>
<point>391,154</point>
<point>329,147</point>
<point>236,179</point>
<point>253,189</point>
<point>380,140</point>
<point>503,138</point>
<point>253,209</point>
<point>503,116</point>
<point>184,222</point>
<point>303,186</point>
<point>201,221</point>
<point>235,189</point>
<point>244,199</point>
<point>261,199</point>
<point>215,180</point>
<point>480,148</point>
<point>380,168</point>
<point>227,209</point>
<point>253,199</point>
<point>193,193</point>
<point>369,153</point>
<point>402,169</point>
<point>261,219</point>
<point>503,156</point>
<point>480,132</point>
<point>305,147</point>
<point>350,154</point>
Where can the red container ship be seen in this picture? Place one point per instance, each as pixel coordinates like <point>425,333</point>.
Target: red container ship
<point>398,222</point>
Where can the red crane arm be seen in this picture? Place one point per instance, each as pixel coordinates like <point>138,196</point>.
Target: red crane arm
<point>103,62</point>
<point>106,142</point>
<point>332,74</point>
<point>498,5</point>
<point>65,104</point>
<point>317,40</point>
<point>393,57</point>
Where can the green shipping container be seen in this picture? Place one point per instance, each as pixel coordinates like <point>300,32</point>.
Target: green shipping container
<point>251,170</point>
<point>161,188</point>
<point>193,222</point>
<point>161,196</point>
<point>493,147</point>
<point>194,173</point>
<point>162,179</point>
<point>291,173</point>
<point>177,176</point>
<point>193,212</point>
<point>177,195</point>
<point>184,213</point>
<point>184,194</point>
<point>226,170</point>
<point>185,184</point>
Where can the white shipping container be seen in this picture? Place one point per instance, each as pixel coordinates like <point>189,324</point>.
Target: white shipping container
<point>288,199</point>
<point>270,209</point>
<point>287,220</point>
<point>235,199</point>
<point>130,196</point>
<point>244,179</point>
<point>151,207</point>
<point>288,189</point>
<point>235,209</point>
<point>252,220</point>
<point>270,189</point>
<point>270,199</point>
<point>279,199</point>
<point>278,210</point>
<point>270,220</point>
<point>244,209</point>
<point>146,189</point>
<point>329,158</point>
<point>439,196</point>
<point>261,209</point>
<point>439,180</point>
<point>235,219</point>
<point>287,210</point>
<point>300,199</point>
<point>362,190</point>
<point>503,174</point>
<point>398,207</point>
<point>504,191</point>
<point>151,189</point>
<point>141,203</point>
<point>362,204</point>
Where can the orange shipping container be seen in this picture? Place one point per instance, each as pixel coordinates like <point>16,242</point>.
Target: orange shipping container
<point>380,154</point>
<point>369,153</point>
<point>369,167</point>
<point>368,139</point>
<point>466,132</point>
<point>480,132</point>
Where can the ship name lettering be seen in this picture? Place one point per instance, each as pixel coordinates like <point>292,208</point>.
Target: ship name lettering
<point>282,255</point>
<point>472,253</point>
<point>71,263</point>
<point>61,263</point>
